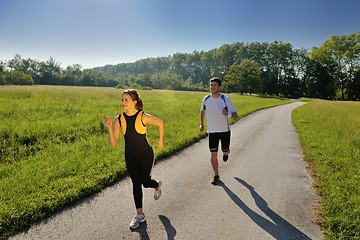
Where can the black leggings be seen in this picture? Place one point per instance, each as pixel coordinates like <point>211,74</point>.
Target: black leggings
<point>139,165</point>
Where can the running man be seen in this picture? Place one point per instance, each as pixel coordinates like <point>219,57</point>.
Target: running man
<point>218,108</point>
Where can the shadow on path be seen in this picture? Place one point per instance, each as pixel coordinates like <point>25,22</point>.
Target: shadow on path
<point>279,228</point>
<point>170,230</point>
<point>142,230</point>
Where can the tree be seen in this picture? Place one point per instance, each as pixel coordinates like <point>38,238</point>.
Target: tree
<point>195,67</point>
<point>244,77</point>
<point>279,63</point>
<point>15,63</point>
<point>2,66</point>
<point>178,65</point>
<point>207,66</point>
<point>91,77</point>
<point>255,51</point>
<point>72,75</point>
<point>2,73</point>
<point>50,71</point>
<point>165,80</point>
<point>224,57</point>
<point>343,52</point>
<point>353,89</point>
<point>320,80</point>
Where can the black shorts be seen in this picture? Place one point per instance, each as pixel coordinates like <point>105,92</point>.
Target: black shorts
<point>214,139</point>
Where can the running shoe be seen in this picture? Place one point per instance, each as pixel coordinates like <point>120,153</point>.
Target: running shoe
<point>225,158</point>
<point>157,193</point>
<point>138,218</point>
<point>215,180</point>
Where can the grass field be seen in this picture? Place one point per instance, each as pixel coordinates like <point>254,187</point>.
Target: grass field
<point>55,149</point>
<point>330,138</point>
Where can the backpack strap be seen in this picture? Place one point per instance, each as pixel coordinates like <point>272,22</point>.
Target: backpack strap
<point>223,98</point>
<point>206,98</point>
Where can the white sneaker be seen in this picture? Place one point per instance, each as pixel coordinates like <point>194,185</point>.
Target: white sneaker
<point>157,193</point>
<point>137,220</point>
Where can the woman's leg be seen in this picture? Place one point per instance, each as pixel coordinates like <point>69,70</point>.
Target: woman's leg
<point>147,163</point>
<point>134,170</point>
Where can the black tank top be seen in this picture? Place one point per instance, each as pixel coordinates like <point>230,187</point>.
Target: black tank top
<point>134,141</point>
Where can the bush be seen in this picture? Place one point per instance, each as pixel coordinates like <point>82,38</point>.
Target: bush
<point>18,78</point>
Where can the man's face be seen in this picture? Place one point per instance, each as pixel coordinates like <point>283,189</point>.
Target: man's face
<point>214,87</point>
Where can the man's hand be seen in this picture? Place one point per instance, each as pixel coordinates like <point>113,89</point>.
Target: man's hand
<point>225,112</point>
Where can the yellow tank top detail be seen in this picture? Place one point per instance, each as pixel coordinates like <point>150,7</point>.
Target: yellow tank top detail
<point>139,126</point>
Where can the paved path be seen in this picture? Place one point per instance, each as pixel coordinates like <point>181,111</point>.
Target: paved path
<point>265,193</point>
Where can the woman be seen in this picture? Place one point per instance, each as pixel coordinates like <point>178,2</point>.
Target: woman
<point>139,155</point>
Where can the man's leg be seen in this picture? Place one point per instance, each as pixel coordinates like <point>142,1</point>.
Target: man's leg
<point>214,162</point>
<point>225,145</point>
<point>214,139</point>
<point>213,146</point>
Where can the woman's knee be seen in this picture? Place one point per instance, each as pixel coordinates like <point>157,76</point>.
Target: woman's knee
<point>150,183</point>
<point>147,183</point>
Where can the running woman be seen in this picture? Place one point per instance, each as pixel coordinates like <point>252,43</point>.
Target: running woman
<point>139,155</point>
<point>217,108</point>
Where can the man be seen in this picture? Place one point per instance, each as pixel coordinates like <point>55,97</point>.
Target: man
<point>217,108</point>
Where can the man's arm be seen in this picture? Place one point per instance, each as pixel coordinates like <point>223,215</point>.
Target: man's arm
<point>234,115</point>
<point>202,117</point>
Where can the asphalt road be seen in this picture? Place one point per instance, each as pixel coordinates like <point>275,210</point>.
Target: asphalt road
<point>265,193</point>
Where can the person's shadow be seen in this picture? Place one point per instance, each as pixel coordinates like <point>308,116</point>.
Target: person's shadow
<point>142,230</point>
<point>170,230</point>
<point>279,228</point>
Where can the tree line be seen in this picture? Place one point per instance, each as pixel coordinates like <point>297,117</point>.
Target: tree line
<point>331,71</point>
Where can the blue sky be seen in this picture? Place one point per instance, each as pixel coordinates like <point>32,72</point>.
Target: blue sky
<point>98,32</point>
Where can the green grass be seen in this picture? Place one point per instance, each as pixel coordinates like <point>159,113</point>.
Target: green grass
<point>330,137</point>
<point>55,149</point>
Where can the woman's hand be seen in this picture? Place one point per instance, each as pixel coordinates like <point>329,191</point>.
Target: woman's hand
<point>160,144</point>
<point>108,122</point>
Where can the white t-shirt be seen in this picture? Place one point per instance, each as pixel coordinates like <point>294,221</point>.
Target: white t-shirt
<point>216,121</point>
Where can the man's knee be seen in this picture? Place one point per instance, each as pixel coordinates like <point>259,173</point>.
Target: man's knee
<point>213,150</point>
<point>213,155</point>
<point>225,150</point>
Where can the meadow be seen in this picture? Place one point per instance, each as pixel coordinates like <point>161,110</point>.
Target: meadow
<point>55,149</point>
<point>329,133</point>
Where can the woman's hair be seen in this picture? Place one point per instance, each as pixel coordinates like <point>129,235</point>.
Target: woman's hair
<point>135,97</point>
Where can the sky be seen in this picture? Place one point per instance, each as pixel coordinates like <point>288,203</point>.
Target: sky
<point>94,33</point>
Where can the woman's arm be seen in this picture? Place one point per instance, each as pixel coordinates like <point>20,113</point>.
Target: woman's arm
<point>114,130</point>
<point>148,119</point>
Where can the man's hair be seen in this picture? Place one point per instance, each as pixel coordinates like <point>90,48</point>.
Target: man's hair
<point>217,80</point>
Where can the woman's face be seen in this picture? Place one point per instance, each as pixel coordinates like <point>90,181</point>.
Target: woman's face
<point>127,103</point>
